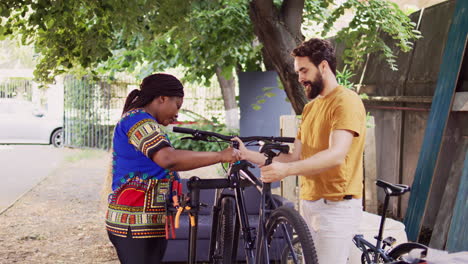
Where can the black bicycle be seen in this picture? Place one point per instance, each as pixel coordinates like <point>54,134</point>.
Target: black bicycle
<point>382,251</point>
<point>281,234</point>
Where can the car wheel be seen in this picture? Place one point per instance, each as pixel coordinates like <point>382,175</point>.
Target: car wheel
<point>57,138</point>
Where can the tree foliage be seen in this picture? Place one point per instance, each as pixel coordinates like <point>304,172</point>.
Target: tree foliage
<point>372,20</point>
<point>200,35</point>
<point>213,34</point>
<point>119,35</point>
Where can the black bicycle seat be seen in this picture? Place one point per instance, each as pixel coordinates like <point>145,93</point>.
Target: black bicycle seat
<point>393,189</point>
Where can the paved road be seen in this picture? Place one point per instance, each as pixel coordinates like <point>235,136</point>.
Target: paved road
<point>23,166</point>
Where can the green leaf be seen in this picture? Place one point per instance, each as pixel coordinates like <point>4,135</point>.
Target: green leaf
<point>256,107</point>
<point>227,72</point>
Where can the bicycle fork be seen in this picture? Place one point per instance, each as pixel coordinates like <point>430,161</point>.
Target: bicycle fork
<point>243,223</point>
<point>262,246</point>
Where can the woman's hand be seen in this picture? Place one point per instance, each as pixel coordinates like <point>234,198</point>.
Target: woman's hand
<point>249,155</point>
<point>230,155</point>
<point>243,150</point>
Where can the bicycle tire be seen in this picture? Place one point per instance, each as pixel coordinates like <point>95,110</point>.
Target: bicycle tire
<point>225,234</point>
<point>301,238</point>
<point>401,250</point>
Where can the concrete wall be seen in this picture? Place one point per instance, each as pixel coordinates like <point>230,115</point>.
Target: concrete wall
<point>266,121</point>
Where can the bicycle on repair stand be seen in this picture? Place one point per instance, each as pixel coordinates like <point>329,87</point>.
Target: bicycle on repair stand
<point>281,234</point>
<point>378,253</point>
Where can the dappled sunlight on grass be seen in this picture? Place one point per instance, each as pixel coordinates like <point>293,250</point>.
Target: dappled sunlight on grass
<point>83,154</point>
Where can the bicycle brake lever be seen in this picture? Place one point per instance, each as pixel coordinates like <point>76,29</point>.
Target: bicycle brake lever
<point>184,138</point>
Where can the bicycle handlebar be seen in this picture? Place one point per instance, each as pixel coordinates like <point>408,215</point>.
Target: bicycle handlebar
<point>195,132</point>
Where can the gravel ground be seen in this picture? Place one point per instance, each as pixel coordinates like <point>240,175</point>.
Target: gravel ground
<point>61,219</point>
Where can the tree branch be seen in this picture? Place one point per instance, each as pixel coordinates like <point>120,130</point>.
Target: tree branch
<point>278,41</point>
<point>291,13</point>
<point>265,7</point>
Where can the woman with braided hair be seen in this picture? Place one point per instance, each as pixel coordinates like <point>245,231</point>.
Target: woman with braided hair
<point>144,169</point>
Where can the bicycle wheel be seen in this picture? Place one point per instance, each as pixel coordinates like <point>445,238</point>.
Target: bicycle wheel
<point>286,224</point>
<point>402,250</point>
<point>225,231</point>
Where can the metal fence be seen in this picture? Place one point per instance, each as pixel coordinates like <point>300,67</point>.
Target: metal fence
<point>206,101</point>
<point>16,88</point>
<point>93,107</point>
<point>91,110</point>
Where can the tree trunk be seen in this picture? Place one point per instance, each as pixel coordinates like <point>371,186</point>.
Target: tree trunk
<point>229,98</point>
<point>280,32</point>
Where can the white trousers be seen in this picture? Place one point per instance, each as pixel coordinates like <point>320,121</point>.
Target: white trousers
<point>333,225</point>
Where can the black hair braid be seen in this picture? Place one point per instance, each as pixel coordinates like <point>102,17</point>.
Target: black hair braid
<point>134,100</point>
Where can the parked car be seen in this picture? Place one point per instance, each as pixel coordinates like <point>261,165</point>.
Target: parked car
<point>23,123</point>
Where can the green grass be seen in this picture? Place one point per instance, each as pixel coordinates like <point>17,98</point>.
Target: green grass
<point>85,154</point>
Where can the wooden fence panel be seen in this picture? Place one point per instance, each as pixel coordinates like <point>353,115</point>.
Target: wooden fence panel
<point>289,186</point>
<point>441,106</point>
<point>457,237</point>
<point>370,170</point>
<point>449,198</point>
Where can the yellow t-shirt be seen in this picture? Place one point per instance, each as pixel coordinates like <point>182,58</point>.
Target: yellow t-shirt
<point>340,109</point>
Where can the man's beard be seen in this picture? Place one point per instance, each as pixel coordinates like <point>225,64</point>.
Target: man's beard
<point>316,87</point>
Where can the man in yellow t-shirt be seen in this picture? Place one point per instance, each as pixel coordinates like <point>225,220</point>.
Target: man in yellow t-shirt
<point>328,153</point>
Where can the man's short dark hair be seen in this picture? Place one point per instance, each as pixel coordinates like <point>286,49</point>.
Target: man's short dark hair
<point>317,50</point>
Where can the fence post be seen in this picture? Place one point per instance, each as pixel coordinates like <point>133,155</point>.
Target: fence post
<point>370,170</point>
<point>289,125</point>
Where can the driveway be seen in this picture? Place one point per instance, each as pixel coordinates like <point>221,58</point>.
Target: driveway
<point>23,166</point>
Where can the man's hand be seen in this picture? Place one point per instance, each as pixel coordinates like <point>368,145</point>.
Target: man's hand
<point>274,172</point>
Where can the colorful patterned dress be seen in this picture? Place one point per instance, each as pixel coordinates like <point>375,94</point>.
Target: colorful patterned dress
<point>137,205</point>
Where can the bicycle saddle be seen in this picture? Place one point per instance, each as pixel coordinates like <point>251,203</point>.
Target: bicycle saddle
<point>275,147</point>
<point>271,150</point>
<point>393,189</point>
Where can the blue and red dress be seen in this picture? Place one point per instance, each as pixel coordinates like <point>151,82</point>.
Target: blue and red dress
<point>137,205</point>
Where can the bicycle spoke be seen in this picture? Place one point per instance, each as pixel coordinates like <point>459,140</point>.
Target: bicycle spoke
<point>288,238</point>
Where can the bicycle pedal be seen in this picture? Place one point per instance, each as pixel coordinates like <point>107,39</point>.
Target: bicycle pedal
<point>389,241</point>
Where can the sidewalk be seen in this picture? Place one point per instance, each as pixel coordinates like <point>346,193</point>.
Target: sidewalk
<point>61,220</point>
<point>23,166</point>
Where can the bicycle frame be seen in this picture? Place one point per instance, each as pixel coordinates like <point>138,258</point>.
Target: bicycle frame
<point>378,250</point>
<point>366,247</point>
<point>259,252</point>
<point>255,246</point>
